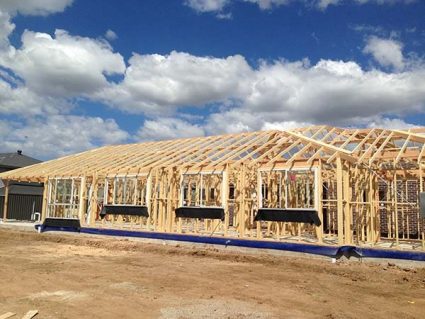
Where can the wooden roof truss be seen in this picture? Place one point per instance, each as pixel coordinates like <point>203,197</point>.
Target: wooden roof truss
<point>304,146</point>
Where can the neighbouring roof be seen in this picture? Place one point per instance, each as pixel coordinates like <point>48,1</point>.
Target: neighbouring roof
<point>16,160</point>
<point>264,149</point>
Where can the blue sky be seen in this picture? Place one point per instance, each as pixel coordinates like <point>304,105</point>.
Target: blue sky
<point>169,69</point>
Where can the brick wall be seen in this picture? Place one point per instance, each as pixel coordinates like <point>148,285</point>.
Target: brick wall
<point>409,222</point>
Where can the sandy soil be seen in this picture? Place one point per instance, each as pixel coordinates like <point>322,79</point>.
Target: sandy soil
<point>76,276</point>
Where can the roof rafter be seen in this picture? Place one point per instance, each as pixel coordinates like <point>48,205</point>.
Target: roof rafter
<point>300,147</point>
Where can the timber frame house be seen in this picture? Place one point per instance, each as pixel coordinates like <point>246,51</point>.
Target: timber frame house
<point>364,185</point>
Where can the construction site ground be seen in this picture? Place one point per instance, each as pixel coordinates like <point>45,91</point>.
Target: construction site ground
<point>81,276</point>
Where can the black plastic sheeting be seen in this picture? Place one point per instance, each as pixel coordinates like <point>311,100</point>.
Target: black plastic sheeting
<point>308,216</point>
<point>124,210</point>
<point>200,212</point>
<point>66,224</point>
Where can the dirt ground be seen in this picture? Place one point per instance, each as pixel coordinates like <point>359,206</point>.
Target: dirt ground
<point>76,276</point>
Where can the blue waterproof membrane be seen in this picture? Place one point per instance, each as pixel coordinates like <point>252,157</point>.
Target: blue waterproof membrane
<point>329,251</point>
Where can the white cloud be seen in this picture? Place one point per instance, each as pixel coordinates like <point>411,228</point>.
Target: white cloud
<point>386,52</point>
<point>156,83</point>
<point>10,8</point>
<point>268,4</point>
<point>285,125</point>
<point>286,95</point>
<point>334,92</point>
<point>63,65</point>
<point>367,28</point>
<point>6,28</point>
<point>19,100</point>
<point>48,73</point>
<point>207,5</point>
<point>57,135</point>
<point>387,123</point>
<point>381,2</point>
<point>219,5</point>
<point>168,128</point>
<point>111,35</point>
<point>233,121</point>
<point>224,16</point>
<point>5,127</point>
<point>34,7</point>
<point>323,4</point>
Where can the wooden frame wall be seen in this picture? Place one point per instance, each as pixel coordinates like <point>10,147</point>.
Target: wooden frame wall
<point>367,181</point>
